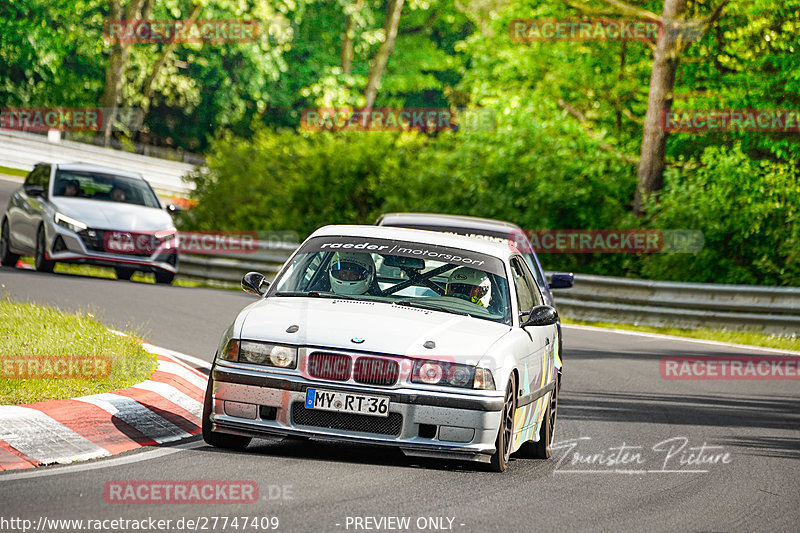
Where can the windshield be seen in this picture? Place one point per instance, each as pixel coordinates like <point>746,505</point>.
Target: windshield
<point>108,187</point>
<point>400,273</point>
<point>525,247</point>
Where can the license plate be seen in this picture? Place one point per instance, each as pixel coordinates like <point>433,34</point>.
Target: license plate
<point>120,242</point>
<point>347,402</point>
<point>129,243</point>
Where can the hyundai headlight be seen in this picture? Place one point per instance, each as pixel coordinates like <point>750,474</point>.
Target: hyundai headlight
<point>263,353</point>
<point>168,236</point>
<point>448,374</point>
<point>69,223</point>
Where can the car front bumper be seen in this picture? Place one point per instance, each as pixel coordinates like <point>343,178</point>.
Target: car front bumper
<point>67,247</point>
<point>421,423</point>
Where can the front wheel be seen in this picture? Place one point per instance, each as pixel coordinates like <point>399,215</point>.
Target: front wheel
<point>543,448</point>
<point>219,440</point>
<point>7,258</point>
<point>505,434</point>
<point>40,260</point>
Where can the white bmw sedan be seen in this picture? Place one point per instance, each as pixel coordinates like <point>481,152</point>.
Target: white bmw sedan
<point>437,344</point>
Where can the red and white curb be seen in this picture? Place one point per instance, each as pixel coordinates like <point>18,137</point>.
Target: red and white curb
<point>165,408</point>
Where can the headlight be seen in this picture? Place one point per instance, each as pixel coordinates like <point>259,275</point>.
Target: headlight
<point>444,373</point>
<point>262,353</point>
<point>483,379</point>
<point>69,223</point>
<point>166,236</point>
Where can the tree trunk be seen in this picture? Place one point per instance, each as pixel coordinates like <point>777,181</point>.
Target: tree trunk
<point>662,84</point>
<point>150,84</point>
<point>115,72</point>
<point>382,57</point>
<point>349,35</point>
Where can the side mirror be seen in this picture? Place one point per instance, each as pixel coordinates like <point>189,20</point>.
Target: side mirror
<point>34,190</point>
<point>561,281</point>
<point>255,283</point>
<point>173,209</point>
<point>541,315</point>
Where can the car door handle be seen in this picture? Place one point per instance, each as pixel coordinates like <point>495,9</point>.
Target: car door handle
<point>546,341</point>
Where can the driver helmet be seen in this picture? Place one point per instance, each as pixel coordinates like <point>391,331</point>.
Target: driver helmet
<point>469,284</point>
<point>351,273</point>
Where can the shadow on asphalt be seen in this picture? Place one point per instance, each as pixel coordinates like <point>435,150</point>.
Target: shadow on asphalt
<point>774,412</point>
<point>699,350</point>
<point>311,450</point>
<point>780,447</point>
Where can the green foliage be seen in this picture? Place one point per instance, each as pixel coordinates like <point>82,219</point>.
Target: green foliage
<point>749,212</point>
<point>285,181</point>
<point>568,116</point>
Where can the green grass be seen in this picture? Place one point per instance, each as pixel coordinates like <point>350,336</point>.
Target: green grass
<point>783,342</point>
<point>41,332</point>
<point>13,171</point>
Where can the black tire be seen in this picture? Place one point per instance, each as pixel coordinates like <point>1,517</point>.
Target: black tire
<point>162,276</point>
<point>124,273</point>
<point>40,260</point>
<point>542,449</point>
<point>219,440</point>
<point>505,433</point>
<point>7,258</point>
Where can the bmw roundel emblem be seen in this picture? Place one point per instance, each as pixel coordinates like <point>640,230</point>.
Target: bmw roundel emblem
<point>357,340</point>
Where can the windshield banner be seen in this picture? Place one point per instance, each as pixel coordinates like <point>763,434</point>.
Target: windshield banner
<point>386,247</point>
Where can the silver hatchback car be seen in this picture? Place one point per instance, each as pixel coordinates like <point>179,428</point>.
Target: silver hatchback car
<point>77,213</point>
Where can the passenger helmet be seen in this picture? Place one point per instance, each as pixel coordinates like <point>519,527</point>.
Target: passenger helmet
<point>469,284</point>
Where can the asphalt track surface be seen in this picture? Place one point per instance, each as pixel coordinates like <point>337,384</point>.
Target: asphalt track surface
<point>613,395</point>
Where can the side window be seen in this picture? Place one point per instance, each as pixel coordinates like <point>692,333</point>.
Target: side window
<point>537,274</point>
<point>45,179</point>
<point>537,295</point>
<point>34,178</point>
<point>39,176</point>
<point>525,296</point>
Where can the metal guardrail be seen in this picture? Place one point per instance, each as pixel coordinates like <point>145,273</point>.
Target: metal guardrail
<point>23,150</point>
<point>683,305</point>
<point>593,298</point>
<point>229,269</point>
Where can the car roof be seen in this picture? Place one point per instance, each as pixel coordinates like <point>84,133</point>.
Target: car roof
<point>85,167</point>
<point>453,221</point>
<point>497,249</point>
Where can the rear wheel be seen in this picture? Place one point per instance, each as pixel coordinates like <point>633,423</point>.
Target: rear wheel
<point>40,260</point>
<point>220,440</point>
<point>505,433</point>
<point>124,273</point>
<point>162,276</point>
<point>6,257</point>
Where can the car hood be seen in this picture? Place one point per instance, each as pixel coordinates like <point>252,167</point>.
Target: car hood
<point>101,214</point>
<point>384,328</point>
